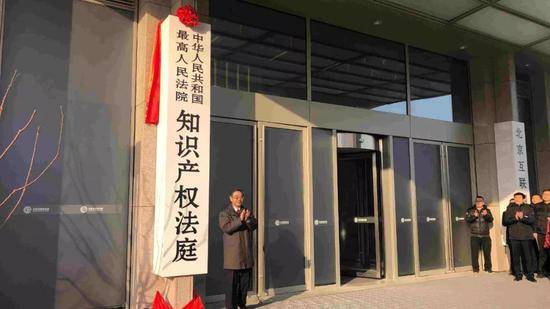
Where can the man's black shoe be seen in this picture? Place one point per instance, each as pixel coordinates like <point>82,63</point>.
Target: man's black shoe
<point>532,279</point>
<point>489,270</point>
<point>518,278</point>
<point>476,270</point>
<point>539,275</point>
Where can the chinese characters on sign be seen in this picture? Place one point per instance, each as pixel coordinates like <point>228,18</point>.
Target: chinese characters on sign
<point>511,157</point>
<point>183,151</point>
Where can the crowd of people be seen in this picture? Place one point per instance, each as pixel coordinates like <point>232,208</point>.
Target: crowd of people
<point>526,235</point>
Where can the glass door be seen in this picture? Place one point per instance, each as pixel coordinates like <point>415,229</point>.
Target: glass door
<point>460,186</point>
<point>430,209</point>
<point>358,215</point>
<point>281,257</point>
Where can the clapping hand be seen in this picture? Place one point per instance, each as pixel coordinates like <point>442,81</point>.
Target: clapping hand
<point>520,214</point>
<point>484,212</point>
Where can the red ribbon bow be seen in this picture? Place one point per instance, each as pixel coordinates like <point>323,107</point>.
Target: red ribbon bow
<point>189,17</point>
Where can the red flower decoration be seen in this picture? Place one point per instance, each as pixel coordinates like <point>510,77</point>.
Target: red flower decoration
<point>188,16</point>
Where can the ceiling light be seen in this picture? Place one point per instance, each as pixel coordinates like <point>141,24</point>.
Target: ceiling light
<point>377,22</point>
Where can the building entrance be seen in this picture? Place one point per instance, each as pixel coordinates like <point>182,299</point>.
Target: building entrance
<point>359,210</point>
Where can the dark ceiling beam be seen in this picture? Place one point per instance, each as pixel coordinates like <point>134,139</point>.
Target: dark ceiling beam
<point>467,13</point>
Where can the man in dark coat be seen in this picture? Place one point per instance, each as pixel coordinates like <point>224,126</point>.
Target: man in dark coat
<point>542,217</point>
<point>237,224</point>
<point>480,219</point>
<point>519,219</point>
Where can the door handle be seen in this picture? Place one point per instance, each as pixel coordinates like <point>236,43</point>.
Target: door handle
<point>403,220</point>
<point>320,222</point>
<point>363,220</point>
<point>459,219</point>
<point>282,222</point>
<point>428,219</point>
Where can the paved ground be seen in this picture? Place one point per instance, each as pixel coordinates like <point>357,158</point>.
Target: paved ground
<point>496,290</point>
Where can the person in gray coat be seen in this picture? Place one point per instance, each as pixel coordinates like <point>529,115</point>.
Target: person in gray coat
<point>237,224</point>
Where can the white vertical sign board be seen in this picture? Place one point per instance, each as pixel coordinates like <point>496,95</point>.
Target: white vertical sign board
<point>512,169</point>
<point>183,151</point>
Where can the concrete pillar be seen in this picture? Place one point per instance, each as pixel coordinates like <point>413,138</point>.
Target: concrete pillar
<point>494,100</point>
<point>143,283</point>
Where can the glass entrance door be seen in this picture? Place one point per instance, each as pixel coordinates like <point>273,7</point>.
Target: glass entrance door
<point>358,214</point>
<point>281,229</point>
<point>429,206</point>
<point>460,198</point>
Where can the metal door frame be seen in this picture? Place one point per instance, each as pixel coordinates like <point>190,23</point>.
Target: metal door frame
<point>306,172</point>
<point>470,148</point>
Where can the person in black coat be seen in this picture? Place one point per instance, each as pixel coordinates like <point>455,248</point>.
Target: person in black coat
<point>480,219</point>
<point>519,219</point>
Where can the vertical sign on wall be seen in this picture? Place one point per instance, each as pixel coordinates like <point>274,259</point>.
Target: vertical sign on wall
<point>511,156</point>
<point>183,151</point>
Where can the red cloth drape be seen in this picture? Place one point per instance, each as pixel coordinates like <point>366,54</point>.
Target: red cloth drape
<point>195,303</point>
<point>160,303</point>
<point>152,112</point>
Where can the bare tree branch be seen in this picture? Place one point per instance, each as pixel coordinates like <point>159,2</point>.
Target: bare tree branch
<point>7,92</point>
<point>27,184</point>
<point>26,179</point>
<point>19,132</point>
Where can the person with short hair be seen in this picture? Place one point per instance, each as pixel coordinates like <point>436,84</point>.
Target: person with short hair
<point>542,217</point>
<point>237,224</point>
<point>480,219</point>
<point>508,243</point>
<point>519,219</point>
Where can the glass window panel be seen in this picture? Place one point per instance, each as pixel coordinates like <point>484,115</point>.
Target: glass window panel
<point>403,210</point>
<point>70,251</point>
<point>439,87</point>
<point>257,49</point>
<point>323,207</point>
<point>353,69</point>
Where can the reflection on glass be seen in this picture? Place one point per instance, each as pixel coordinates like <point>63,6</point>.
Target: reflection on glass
<point>439,87</point>
<point>353,69</point>
<point>73,252</point>
<point>257,49</point>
